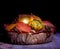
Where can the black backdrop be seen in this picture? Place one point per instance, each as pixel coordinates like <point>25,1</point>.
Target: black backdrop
<point>46,10</point>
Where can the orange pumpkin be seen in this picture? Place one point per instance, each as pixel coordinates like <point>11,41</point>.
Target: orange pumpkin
<point>27,18</point>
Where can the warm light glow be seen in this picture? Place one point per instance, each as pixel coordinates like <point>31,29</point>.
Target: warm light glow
<point>25,21</point>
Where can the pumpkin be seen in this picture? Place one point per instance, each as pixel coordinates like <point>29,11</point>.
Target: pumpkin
<point>36,24</point>
<point>27,18</point>
<point>23,27</point>
<point>8,27</point>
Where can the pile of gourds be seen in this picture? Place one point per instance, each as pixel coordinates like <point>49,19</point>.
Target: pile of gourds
<point>27,23</point>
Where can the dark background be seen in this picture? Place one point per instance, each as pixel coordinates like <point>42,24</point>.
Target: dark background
<point>46,10</point>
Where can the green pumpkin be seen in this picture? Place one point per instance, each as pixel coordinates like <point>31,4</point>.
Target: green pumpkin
<point>36,24</point>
